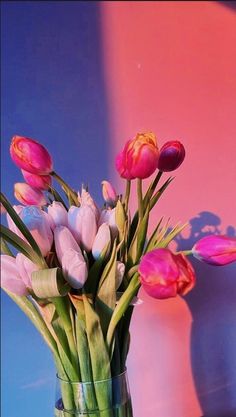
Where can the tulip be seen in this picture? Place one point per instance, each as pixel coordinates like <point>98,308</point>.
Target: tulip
<point>25,268</point>
<point>164,275</point>
<point>58,214</point>
<point>10,277</point>
<point>171,156</point>
<point>42,182</point>
<point>120,271</point>
<point>11,225</point>
<point>85,199</point>
<point>139,157</point>
<point>74,268</point>
<point>2,209</point>
<point>215,250</point>
<point>30,156</point>
<point>83,225</point>
<point>64,240</point>
<point>109,216</point>
<point>109,193</point>
<point>102,242</point>
<point>29,196</point>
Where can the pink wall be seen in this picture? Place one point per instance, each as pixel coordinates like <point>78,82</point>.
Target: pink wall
<point>170,68</point>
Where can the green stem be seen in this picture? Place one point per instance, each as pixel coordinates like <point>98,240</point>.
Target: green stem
<point>140,199</point>
<point>185,252</point>
<point>70,192</point>
<point>127,194</point>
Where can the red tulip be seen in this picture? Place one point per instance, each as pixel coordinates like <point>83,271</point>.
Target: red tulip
<point>30,156</point>
<point>171,156</point>
<point>164,275</point>
<point>215,250</point>
<point>42,182</point>
<point>139,157</point>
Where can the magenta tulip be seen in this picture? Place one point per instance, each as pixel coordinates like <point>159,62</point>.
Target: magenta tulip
<point>28,195</point>
<point>30,155</point>
<point>10,277</point>
<point>58,214</point>
<point>74,268</point>
<point>83,225</point>
<point>64,240</point>
<point>25,268</point>
<point>171,156</point>
<point>164,275</point>
<point>139,157</point>
<point>42,182</point>
<point>109,193</point>
<point>215,250</point>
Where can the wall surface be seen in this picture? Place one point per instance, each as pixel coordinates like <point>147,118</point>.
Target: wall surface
<point>83,77</point>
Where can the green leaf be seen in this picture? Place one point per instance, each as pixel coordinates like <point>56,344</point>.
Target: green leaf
<point>159,193</point>
<point>21,246</point>
<point>21,226</point>
<point>153,238</point>
<point>170,236</point>
<point>49,283</point>
<point>5,249</point>
<point>138,242</point>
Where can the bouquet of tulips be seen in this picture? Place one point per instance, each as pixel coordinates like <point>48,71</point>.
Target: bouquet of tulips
<point>75,269</point>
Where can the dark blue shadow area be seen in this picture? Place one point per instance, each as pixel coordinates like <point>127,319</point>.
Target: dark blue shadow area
<point>213,336</point>
<point>53,91</point>
<point>232,5</point>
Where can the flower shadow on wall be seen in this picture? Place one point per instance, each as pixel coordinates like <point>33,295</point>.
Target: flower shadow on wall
<point>213,336</point>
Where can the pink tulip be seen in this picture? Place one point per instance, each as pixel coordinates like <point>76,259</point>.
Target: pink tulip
<point>64,240</point>
<point>171,156</point>
<point>58,214</point>
<point>30,155</point>
<point>42,182</point>
<point>164,275</point>
<point>29,196</point>
<point>109,216</point>
<point>10,277</point>
<point>83,225</point>
<point>109,193</point>
<point>215,250</point>
<point>139,157</point>
<point>74,268</point>
<point>37,222</point>
<point>25,268</point>
<point>85,199</point>
<point>102,241</point>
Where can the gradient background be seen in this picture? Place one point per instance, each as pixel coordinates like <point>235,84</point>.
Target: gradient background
<point>83,78</point>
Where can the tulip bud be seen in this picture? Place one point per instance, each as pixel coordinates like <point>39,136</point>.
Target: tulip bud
<point>139,157</point>
<point>164,275</point>
<point>29,196</point>
<point>30,155</point>
<point>215,250</point>
<point>42,182</point>
<point>109,216</point>
<point>102,242</point>
<point>120,271</point>
<point>171,156</point>
<point>64,240</point>
<point>10,278</point>
<point>58,214</point>
<point>25,268</point>
<point>83,225</point>
<point>74,268</point>
<point>109,193</point>
<point>85,199</point>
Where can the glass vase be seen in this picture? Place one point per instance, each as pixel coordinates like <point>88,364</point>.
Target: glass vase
<point>107,398</point>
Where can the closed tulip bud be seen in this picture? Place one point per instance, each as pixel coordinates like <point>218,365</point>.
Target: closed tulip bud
<point>83,225</point>
<point>171,156</point>
<point>25,268</point>
<point>164,275</point>
<point>120,271</point>
<point>215,250</point>
<point>42,182</point>
<point>58,214</point>
<point>30,156</point>
<point>28,195</point>
<point>64,240</point>
<point>109,193</point>
<point>139,157</point>
<point>109,216</point>
<point>10,277</point>
<point>85,199</point>
<point>74,268</point>
<point>102,242</point>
